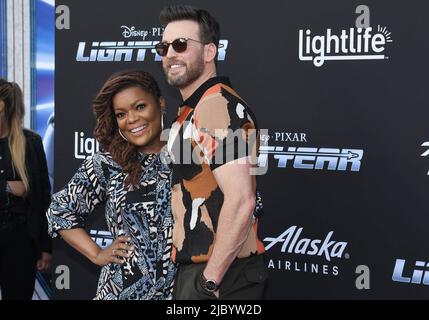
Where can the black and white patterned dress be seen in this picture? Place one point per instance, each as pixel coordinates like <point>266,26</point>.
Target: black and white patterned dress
<point>144,214</point>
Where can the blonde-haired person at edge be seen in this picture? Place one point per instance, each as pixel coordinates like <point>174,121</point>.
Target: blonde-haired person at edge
<point>25,193</point>
<point>130,178</point>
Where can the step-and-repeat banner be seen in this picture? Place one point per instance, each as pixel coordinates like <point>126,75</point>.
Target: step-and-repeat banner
<point>341,87</point>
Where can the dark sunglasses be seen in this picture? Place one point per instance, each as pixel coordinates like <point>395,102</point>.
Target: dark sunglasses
<point>179,45</point>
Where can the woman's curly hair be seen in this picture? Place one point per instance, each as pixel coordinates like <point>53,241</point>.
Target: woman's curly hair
<point>106,128</point>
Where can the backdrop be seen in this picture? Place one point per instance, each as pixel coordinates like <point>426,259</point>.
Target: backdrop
<point>342,90</point>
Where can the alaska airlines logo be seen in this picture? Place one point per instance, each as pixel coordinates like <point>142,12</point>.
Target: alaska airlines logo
<point>352,44</point>
<point>293,243</point>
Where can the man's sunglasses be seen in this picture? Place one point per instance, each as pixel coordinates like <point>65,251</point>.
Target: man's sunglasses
<point>179,45</point>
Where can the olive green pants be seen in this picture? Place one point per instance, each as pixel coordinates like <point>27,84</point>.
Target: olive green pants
<point>246,279</point>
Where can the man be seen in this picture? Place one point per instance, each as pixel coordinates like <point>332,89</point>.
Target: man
<point>214,192</point>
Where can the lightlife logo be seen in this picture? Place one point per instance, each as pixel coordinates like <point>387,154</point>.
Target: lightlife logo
<point>352,44</point>
<point>84,147</point>
<point>419,275</point>
<point>292,241</point>
<point>119,51</point>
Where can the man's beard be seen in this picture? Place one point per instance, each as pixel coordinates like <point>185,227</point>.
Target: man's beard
<point>192,73</point>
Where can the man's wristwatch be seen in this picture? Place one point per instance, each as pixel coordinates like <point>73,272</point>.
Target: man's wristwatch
<point>208,285</point>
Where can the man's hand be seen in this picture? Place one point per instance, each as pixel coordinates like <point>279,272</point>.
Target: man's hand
<point>44,262</point>
<point>115,253</point>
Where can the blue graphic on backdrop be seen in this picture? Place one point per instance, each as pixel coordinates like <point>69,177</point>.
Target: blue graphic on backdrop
<point>3,42</point>
<point>43,100</point>
<point>43,113</point>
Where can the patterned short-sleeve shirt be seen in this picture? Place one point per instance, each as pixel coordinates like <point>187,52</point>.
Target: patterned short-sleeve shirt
<point>212,128</point>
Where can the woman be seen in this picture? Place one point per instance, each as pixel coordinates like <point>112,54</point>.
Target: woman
<point>24,197</point>
<point>130,178</point>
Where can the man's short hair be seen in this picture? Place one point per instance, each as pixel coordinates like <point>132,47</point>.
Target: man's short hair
<point>209,27</point>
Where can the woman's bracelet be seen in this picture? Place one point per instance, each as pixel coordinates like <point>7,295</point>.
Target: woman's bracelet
<point>8,189</point>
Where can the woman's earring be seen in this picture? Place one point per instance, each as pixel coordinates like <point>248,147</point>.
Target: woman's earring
<point>162,121</point>
<point>122,135</point>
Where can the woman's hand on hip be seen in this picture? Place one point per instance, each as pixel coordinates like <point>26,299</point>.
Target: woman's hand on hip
<point>117,252</point>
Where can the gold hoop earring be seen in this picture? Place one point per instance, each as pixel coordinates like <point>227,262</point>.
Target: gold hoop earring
<point>122,135</point>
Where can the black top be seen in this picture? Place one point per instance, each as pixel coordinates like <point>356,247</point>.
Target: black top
<point>12,209</point>
<point>32,209</point>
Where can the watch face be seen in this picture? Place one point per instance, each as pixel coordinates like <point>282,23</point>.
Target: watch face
<point>210,285</point>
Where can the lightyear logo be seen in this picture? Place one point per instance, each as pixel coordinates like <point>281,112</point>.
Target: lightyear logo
<point>331,159</point>
<point>420,273</point>
<point>117,51</point>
